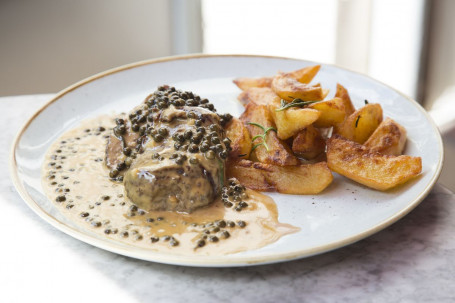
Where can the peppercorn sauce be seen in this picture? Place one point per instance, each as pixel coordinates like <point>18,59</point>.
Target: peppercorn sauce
<point>110,192</point>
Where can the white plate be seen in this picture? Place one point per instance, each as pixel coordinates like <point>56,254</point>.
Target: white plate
<point>344,213</point>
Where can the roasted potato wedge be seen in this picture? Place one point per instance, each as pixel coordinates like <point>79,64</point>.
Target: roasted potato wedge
<point>258,95</point>
<point>292,120</point>
<point>308,143</point>
<point>240,138</point>
<point>304,75</point>
<point>277,152</point>
<point>332,112</point>
<point>246,83</point>
<point>342,93</point>
<point>359,126</point>
<point>388,139</point>
<point>289,89</point>
<point>369,168</point>
<point>307,179</point>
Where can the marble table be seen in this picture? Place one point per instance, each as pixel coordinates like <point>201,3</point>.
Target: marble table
<point>411,261</point>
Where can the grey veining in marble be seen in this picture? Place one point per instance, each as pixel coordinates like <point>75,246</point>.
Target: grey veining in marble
<point>411,261</point>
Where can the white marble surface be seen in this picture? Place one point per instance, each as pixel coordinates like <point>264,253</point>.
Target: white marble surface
<point>411,261</point>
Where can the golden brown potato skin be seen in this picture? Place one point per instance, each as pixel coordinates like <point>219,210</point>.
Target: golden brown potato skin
<point>388,139</point>
<point>292,120</point>
<point>306,179</point>
<point>342,93</point>
<point>381,172</point>
<point>359,126</point>
<point>289,89</point>
<point>279,152</point>
<point>333,112</point>
<point>246,83</point>
<point>240,138</point>
<point>258,95</point>
<point>304,75</point>
<point>308,143</point>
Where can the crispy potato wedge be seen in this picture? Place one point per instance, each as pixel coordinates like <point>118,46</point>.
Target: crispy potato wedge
<point>289,89</point>
<point>332,112</point>
<point>258,95</point>
<point>304,75</point>
<point>306,179</point>
<point>388,139</point>
<point>246,83</point>
<point>278,152</point>
<point>308,143</point>
<point>359,126</point>
<point>240,138</point>
<point>371,169</point>
<point>292,120</point>
<point>342,93</point>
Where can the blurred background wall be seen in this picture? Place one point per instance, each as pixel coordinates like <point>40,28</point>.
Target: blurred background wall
<point>47,45</point>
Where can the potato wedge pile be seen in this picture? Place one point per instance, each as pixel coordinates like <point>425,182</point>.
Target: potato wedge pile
<point>291,137</point>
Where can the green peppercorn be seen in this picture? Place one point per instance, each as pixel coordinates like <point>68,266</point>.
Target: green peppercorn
<point>135,127</point>
<point>121,166</point>
<point>210,155</point>
<point>219,147</point>
<point>180,138</point>
<point>213,239</point>
<point>158,138</point>
<point>243,204</point>
<point>133,207</point>
<point>193,148</point>
<point>60,199</point>
<point>224,234</point>
<point>220,223</point>
<point>204,147</point>
<point>194,161</point>
<point>223,154</point>
<point>163,131</point>
<point>188,134</point>
<point>127,151</point>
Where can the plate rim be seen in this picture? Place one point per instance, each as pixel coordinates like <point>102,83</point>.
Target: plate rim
<point>213,261</point>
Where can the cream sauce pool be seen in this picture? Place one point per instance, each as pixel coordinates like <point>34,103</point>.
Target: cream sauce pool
<point>76,179</point>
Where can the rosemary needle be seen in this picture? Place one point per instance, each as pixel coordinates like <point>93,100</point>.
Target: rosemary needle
<point>294,103</point>
<point>265,130</point>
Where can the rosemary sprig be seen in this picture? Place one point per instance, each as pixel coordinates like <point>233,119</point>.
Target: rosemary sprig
<point>265,130</point>
<point>294,103</point>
